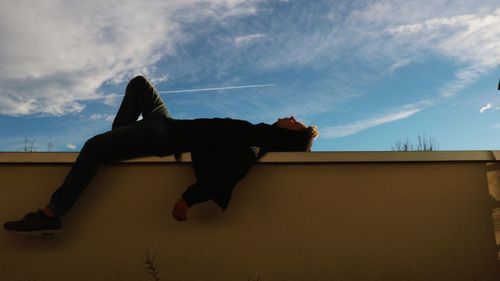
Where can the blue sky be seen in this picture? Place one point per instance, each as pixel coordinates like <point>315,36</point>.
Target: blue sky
<point>367,73</point>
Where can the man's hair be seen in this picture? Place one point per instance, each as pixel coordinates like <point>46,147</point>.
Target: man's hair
<point>301,140</point>
<point>312,133</point>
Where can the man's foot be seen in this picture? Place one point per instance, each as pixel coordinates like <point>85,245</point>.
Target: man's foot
<point>35,223</point>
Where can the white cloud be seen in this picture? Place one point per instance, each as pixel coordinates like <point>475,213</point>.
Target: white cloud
<point>245,39</point>
<point>71,146</point>
<point>400,113</point>
<point>486,107</point>
<point>386,35</point>
<point>95,117</point>
<point>113,99</point>
<point>383,36</point>
<point>241,10</point>
<point>107,117</point>
<point>398,64</point>
<point>57,54</point>
<point>470,39</point>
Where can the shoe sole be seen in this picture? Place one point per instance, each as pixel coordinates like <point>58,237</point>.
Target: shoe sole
<point>42,233</point>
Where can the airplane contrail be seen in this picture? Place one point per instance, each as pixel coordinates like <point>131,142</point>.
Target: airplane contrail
<point>194,90</point>
<point>216,89</point>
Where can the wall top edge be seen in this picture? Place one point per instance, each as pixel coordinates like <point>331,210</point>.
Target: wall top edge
<point>284,157</point>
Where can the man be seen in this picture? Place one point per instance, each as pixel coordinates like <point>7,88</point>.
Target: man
<point>213,143</point>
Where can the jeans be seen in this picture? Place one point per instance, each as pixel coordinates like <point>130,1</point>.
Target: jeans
<point>128,139</point>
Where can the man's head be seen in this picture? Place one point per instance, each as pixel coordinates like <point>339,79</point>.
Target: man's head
<point>290,123</point>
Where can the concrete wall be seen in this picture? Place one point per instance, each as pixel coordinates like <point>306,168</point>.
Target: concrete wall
<point>325,219</point>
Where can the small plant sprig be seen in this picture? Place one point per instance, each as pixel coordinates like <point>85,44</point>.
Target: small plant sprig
<point>149,261</point>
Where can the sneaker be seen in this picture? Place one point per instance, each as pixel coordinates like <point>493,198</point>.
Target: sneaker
<point>37,224</point>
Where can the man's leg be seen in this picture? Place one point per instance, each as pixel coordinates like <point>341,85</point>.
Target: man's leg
<point>135,140</point>
<point>128,139</point>
<point>140,98</point>
<point>132,141</point>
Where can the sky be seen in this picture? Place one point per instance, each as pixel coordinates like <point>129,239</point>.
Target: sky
<point>367,73</point>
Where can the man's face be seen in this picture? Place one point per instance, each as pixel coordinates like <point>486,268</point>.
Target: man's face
<point>291,124</point>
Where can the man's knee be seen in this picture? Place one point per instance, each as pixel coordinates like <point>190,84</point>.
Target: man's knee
<point>93,146</point>
<point>139,80</point>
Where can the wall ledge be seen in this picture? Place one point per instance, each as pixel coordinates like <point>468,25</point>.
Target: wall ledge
<point>283,157</point>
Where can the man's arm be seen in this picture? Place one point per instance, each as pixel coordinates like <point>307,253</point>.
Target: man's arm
<point>196,193</point>
<point>193,195</point>
<point>217,172</point>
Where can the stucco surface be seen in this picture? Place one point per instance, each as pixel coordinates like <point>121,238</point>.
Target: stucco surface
<point>287,221</point>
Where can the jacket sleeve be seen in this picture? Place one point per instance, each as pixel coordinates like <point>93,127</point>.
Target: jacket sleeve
<point>195,194</point>
<point>203,171</point>
<point>217,172</point>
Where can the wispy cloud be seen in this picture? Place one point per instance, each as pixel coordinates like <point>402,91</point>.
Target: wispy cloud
<point>71,146</point>
<point>398,64</point>
<point>486,107</point>
<point>81,45</point>
<point>246,39</point>
<point>62,73</point>
<point>400,113</point>
<point>107,117</point>
<point>471,39</point>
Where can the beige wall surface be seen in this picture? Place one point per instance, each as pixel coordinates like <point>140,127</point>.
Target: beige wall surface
<point>300,221</point>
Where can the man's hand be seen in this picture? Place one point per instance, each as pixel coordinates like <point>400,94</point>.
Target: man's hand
<point>180,210</point>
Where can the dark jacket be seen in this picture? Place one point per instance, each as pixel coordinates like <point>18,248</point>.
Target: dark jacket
<point>217,173</point>
<point>223,150</point>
